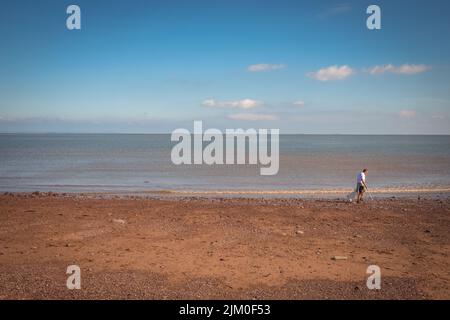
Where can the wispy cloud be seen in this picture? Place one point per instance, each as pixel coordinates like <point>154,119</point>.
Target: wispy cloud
<point>332,73</point>
<point>405,113</point>
<point>335,10</point>
<point>242,104</point>
<point>264,67</point>
<point>403,69</point>
<point>252,117</point>
<point>299,103</point>
<point>439,116</point>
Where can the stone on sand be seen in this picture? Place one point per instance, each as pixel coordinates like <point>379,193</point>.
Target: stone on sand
<point>339,258</point>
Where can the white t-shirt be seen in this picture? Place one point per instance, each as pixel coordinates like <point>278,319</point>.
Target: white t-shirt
<point>361,177</point>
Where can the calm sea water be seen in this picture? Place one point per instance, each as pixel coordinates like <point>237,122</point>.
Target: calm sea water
<point>134,163</point>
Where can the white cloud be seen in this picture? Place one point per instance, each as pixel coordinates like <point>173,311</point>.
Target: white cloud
<point>252,117</point>
<point>332,73</point>
<point>403,69</point>
<point>209,103</point>
<point>264,67</point>
<point>439,116</point>
<point>242,104</point>
<point>336,10</point>
<point>299,103</point>
<point>407,113</point>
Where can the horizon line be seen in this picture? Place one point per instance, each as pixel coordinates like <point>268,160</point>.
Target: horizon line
<point>168,133</point>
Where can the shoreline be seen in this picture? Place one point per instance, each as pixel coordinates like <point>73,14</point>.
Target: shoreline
<point>312,194</point>
<point>218,248</point>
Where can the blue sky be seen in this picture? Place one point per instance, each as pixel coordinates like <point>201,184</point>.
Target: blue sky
<point>153,66</point>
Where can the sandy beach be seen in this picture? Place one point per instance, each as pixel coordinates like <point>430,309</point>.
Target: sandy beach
<point>198,248</point>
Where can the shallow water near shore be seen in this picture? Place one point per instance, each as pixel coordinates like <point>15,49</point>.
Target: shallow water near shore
<point>315,165</point>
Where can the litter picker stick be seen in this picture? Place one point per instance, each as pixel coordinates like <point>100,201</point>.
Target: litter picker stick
<point>370,195</point>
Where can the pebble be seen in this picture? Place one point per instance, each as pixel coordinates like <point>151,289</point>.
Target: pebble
<point>339,258</point>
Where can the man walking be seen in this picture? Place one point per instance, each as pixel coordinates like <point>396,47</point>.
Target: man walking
<point>361,184</point>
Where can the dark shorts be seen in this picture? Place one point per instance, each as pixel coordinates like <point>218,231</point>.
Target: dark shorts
<point>360,188</point>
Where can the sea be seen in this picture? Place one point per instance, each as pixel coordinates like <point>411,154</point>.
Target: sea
<point>315,165</point>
